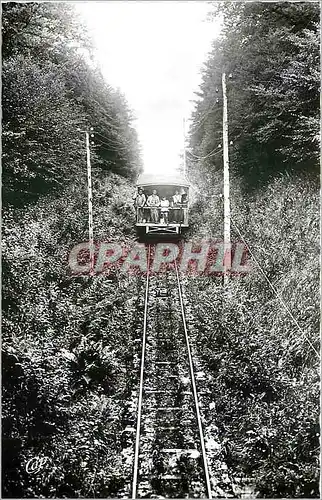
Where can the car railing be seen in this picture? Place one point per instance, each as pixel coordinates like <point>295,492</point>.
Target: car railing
<point>177,214</point>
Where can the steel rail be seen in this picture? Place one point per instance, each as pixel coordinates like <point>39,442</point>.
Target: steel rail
<point>194,388</point>
<point>138,424</point>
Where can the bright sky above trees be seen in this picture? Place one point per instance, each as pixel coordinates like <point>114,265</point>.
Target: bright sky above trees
<point>153,51</point>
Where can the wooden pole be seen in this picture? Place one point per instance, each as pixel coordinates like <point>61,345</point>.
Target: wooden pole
<point>184,149</point>
<point>227,244</point>
<point>90,207</point>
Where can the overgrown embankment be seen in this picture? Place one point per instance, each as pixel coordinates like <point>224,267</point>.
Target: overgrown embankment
<point>258,337</point>
<point>67,348</point>
<point>263,362</point>
<point>66,372</point>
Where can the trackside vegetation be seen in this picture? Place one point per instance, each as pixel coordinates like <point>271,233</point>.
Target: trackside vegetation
<point>70,356</point>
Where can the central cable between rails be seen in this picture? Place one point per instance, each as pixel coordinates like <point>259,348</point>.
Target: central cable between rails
<point>193,383</point>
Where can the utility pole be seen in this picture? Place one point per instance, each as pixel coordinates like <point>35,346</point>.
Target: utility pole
<point>227,244</point>
<point>184,149</point>
<point>90,206</point>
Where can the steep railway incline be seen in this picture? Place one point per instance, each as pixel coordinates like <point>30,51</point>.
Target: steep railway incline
<point>172,458</point>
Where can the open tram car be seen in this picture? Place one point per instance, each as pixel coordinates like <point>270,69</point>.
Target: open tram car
<point>178,213</point>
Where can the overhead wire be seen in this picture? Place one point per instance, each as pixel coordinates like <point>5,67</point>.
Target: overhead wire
<point>212,153</point>
<point>106,138</point>
<point>111,147</point>
<point>275,291</point>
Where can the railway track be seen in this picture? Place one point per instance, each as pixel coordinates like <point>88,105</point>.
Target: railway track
<point>170,457</point>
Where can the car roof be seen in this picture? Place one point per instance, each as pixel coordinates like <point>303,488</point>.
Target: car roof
<point>162,180</point>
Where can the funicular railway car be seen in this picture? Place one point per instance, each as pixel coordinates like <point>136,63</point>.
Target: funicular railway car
<point>162,204</point>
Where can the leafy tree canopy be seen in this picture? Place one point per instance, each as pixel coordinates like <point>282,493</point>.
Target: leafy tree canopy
<point>52,90</point>
<point>271,51</point>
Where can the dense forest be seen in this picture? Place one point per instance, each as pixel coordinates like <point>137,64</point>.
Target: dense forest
<point>69,363</point>
<point>53,90</point>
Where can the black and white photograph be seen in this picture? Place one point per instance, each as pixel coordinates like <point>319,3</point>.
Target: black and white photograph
<point>161,249</point>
